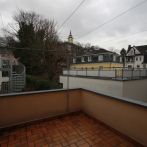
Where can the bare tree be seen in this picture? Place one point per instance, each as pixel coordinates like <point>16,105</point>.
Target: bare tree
<point>33,31</point>
<point>123,56</point>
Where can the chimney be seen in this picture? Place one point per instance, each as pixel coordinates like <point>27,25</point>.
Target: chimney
<point>129,47</point>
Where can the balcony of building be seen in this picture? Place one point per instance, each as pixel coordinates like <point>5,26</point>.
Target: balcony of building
<point>71,118</point>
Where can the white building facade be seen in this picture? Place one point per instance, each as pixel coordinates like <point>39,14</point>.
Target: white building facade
<point>12,73</point>
<point>7,59</point>
<point>136,57</point>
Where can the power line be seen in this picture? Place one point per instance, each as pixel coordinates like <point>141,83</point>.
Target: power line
<point>71,14</point>
<point>65,51</point>
<point>124,37</point>
<point>2,20</point>
<point>112,19</point>
<point>3,25</point>
<point>33,49</point>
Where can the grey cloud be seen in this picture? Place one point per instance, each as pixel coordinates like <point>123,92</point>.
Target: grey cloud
<point>91,14</point>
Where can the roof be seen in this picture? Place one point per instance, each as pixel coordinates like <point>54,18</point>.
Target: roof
<point>145,58</point>
<point>95,51</point>
<point>142,49</point>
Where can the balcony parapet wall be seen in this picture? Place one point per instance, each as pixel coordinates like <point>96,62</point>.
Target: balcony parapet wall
<point>126,116</point>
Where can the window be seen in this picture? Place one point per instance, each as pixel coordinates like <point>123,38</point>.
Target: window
<point>94,58</point>
<point>138,66</point>
<point>140,58</point>
<point>136,58</point>
<point>83,59</point>
<point>74,60</point>
<point>120,59</point>
<point>129,66</point>
<point>100,57</point>
<point>5,63</point>
<point>78,59</point>
<point>5,73</point>
<point>114,58</point>
<point>89,58</point>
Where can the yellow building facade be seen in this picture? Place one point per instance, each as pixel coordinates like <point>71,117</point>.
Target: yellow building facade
<point>100,63</point>
<point>97,65</point>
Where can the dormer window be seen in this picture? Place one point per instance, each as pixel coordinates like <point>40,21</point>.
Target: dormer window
<point>114,58</point>
<point>82,59</point>
<point>100,57</point>
<point>89,58</point>
<point>74,60</point>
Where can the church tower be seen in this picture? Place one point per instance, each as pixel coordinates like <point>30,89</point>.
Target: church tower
<point>70,38</point>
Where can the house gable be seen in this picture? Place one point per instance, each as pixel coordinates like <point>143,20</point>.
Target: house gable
<point>133,51</point>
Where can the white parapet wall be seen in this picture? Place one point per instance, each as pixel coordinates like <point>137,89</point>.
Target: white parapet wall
<point>134,89</point>
<point>109,87</point>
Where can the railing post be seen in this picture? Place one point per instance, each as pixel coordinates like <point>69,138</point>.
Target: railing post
<point>139,73</point>
<point>98,72</point>
<point>122,74</point>
<point>86,71</point>
<point>115,73</point>
<point>10,78</point>
<point>132,74</point>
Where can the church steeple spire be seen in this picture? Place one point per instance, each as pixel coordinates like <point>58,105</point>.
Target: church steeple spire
<point>70,38</point>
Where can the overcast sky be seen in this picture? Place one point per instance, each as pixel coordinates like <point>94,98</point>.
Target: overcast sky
<point>117,34</point>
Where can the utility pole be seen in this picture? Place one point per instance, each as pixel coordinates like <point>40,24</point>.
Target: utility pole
<point>10,77</point>
<point>68,51</point>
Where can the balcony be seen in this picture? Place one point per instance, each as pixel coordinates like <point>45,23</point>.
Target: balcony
<point>72,118</point>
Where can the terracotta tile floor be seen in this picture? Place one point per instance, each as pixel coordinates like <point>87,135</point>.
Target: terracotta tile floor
<point>76,130</point>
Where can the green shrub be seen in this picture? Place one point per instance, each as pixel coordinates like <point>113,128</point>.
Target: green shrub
<point>36,83</point>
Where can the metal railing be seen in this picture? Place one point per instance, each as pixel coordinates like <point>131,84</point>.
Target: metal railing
<point>109,73</point>
<point>12,79</point>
